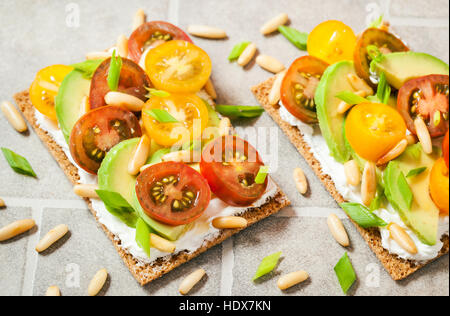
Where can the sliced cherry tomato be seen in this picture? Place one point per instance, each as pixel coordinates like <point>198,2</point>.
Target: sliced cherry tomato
<point>231,164</point>
<point>178,66</point>
<point>425,96</point>
<point>299,87</point>
<point>332,41</point>
<point>45,87</point>
<point>385,41</point>
<point>445,149</point>
<point>373,129</point>
<point>188,109</point>
<point>173,193</point>
<point>151,34</point>
<point>98,131</point>
<point>439,186</point>
<point>133,80</point>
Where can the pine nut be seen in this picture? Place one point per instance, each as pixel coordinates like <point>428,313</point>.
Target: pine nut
<point>289,280</point>
<point>162,244</point>
<point>86,190</point>
<point>178,156</point>
<point>352,172</point>
<point>191,280</point>
<point>138,19</point>
<point>97,282</point>
<point>247,55</point>
<point>206,31</point>
<point>140,156</point>
<point>2,203</point>
<point>393,153</point>
<point>273,24</point>
<point>402,238</point>
<point>338,231</point>
<point>229,222</point>
<point>300,181</point>
<point>53,291</point>
<point>423,135</point>
<point>16,228</point>
<point>369,183</point>
<point>85,107</point>
<point>122,46</point>
<point>14,117</point>
<point>275,94</point>
<point>411,138</point>
<point>269,63</point>
<point>131,102</point>
<point>51,237</point>
<point>359,84</point>
<point>224,126</point>
<point>98,55</point>
<point>209,88</point>
<point>343,107</point>
<point>144,167</point>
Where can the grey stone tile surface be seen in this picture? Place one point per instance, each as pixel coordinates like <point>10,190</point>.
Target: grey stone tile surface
<point>422,9</point>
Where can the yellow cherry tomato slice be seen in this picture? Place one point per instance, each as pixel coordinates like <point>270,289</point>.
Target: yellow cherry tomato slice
<point>178,66</point>
<point>439,186</point>
<point>188,109</point>
<point>332,41</point>
<point>373,129</point>
<point>45,87</point>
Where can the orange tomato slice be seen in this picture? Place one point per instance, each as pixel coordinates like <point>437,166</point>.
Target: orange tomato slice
<point>439,186</point>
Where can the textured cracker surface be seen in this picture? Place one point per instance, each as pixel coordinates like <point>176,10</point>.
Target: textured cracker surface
<point>144,274</point>
<point>398,268</point>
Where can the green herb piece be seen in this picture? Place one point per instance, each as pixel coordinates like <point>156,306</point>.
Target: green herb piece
<point>350,98</point>
<point>115,68</point>
<point>238,111</point>
<point>267,265</point>
<point>157,93</point>
<point>415,172</point>
<point>383,90</point>
<point>237,50</point>
<point>362,215</point>
<point>119,207</point>
<point>378,200</point>
<point>88,67</point>
<point>162,116</point>
<point>299,39</point>
<point>377,22</point>
<point>405,190</point>
<point>262,175</point>
<point>375,55</point>
<point>156,157</point>
<point>143,235</point>
<point>18,163</point>
<point>345,273</point>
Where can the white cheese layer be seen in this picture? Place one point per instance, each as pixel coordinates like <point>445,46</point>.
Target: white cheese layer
<point>315,140</point>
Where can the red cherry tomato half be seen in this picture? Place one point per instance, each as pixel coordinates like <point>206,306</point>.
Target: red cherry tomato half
<point>152,33</point>
<point>98,131</point>
<point>173,193</point>
<point>230,164</point>
<point>299,87</point>
<point>428,97</point>
<point>133,80</point>
<point>445,149</point>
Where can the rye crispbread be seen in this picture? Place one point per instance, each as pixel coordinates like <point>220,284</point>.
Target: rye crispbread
<point>398,268</point>
<point>144,273</point>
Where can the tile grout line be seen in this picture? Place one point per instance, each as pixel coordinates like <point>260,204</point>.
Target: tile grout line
<point>226,282</point>
<point>172,15</point>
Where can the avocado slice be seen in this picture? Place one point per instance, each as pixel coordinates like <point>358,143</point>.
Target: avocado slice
<point>423,215</point>
<point>402,66</point>
<point>331,123</point>
<point>68,101</point>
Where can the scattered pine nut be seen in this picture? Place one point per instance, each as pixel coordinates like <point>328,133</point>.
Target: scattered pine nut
<point>98,55</point>
<point>53,291</point>
<point>402,238</point>
<point>247,55</point>
<point>225,126</point>
<point>144,167</point>
<point>140,156</point>
<point>2,203</point>
<point>206,31</point>
<point>369,183</point>
<point>273,24</point>
<point>122,46</point>
<point>423,135</point>
<point>393,153</point>
<point>359,84</point>
<point>178,156</point>
<point>16,228</point>
<point>275,93</point>
<point>289,280</point>
<point>411,139</point>
<point>138,19</point>
<point>352,172</point>
<point>191,280</point>
<point>270,63</point>
<point>131,102</point>
<point>13,116</point>
<point>229,222</point>
<point>86,190</point>
<point>209,88</point>
<point>343,107</point>
<point>85,106</point>
<point>51,237</point>
<point>338,231</point>
<point>300,181</point>
<point>97,282</point>
<point>162,244</point>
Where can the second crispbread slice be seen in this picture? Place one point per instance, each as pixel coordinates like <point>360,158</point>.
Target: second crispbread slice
<point>398,268</point>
